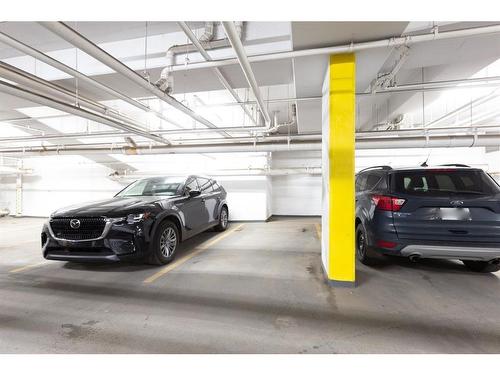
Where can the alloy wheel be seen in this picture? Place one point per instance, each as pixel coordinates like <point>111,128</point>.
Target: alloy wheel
<point>361,243</point>
<point>168,242</point>
<point>223,218</point>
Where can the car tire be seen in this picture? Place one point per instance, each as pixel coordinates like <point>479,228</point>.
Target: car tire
<point>481,266</point>
<point>223,220</point>
<point>362,249</point>
<point>165,244</point>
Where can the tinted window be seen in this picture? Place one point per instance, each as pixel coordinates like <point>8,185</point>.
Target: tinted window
<point>443,182</point>
<point>382,184</point>
<point>191,184</point>
<point>161,186</point>
<point>361,182</point>
<point>371,180</point>
<point>205,185</point>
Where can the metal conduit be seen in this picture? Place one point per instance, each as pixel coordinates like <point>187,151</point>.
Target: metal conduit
<point>233,37</point>
<point>375,134</point>
<point>362,144</point>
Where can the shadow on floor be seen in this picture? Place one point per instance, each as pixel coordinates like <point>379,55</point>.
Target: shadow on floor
<point>185,248</point>
<point>320,316</point>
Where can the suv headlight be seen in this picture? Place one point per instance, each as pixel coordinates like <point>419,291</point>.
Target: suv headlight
<point>137,218</point>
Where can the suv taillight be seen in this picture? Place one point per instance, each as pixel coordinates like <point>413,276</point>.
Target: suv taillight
<point>386,203</point>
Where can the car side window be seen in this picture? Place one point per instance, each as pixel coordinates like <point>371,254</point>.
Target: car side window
<point>216,186</point>
<point>361,182</point>
<point>372,179</point>
<point>191,184</point>
<point>205,185</point>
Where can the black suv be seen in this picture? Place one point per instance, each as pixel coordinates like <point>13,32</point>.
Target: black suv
<point>446,212</point>
<point>146,221</point>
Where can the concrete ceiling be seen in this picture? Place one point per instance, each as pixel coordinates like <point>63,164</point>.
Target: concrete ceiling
<point>310,71</point>
<point>98,32</point>
<point>443,59</point>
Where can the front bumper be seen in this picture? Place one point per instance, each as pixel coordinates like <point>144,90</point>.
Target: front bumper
<point>119,242</point>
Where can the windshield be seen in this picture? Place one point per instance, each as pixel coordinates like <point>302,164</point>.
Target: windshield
<point>160,186</point>
<point>442,182</point>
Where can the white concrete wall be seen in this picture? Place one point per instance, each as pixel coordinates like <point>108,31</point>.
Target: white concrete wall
<point>296,194</point>
<point>248,198</point>
<point>58,182</point>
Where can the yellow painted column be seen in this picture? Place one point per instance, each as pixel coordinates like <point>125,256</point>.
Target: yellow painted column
<point>340,265</point>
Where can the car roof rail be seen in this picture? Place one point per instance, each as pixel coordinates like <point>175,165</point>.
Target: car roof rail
<point>382,167</point>
<point>455,165</point>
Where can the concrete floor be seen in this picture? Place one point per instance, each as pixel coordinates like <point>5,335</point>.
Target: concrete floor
<point>258,289</point>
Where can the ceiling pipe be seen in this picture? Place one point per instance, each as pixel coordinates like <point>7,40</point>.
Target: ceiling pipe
<point>101,134</point>
<point>476,140</point>
<point>439,85</point>
<point>232,34</point>
<point>44,87</point>
<point>79,41</point>
<point>404,88</point>
<point>359,135</point>
<point>166,80</point>
<point>192,141</point>
<point>191,149</point>
<point>223,80</point>
<point>30,51</point>
<point>484,140</point>
<point>423,131</point>
<point>4,38</point>
<point>384,80</point>
<point>227,173</point>
<point>349,48</point>
<point>98,134</point>
<point>80,112</point>
<point>411,87</point>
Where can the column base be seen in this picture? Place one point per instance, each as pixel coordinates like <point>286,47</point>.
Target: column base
<point>337,283</point>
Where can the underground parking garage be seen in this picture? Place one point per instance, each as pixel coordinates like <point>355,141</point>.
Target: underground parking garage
<point>249,187</point>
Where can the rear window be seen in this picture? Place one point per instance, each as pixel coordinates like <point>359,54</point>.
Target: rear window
<point>443,182</point>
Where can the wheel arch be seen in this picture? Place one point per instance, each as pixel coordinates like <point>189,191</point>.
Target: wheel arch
<point>357,222</point>
<point>169,217</point>
<point>223,204</point>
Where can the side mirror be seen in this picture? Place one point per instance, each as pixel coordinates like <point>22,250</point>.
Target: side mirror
<point>194,193</point>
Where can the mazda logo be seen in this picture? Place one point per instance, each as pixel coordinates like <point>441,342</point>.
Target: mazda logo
<point>74,223</point>
<point>457,203</point>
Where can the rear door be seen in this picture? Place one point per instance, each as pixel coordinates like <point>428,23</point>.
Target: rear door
<point>454,205</point>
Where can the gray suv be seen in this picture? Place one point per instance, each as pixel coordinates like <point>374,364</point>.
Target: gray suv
<point>445,212</point>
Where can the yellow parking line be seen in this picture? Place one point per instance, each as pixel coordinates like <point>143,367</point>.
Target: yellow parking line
<point>198,250</point>
<point>21,269</point>
<point>318,230</point>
